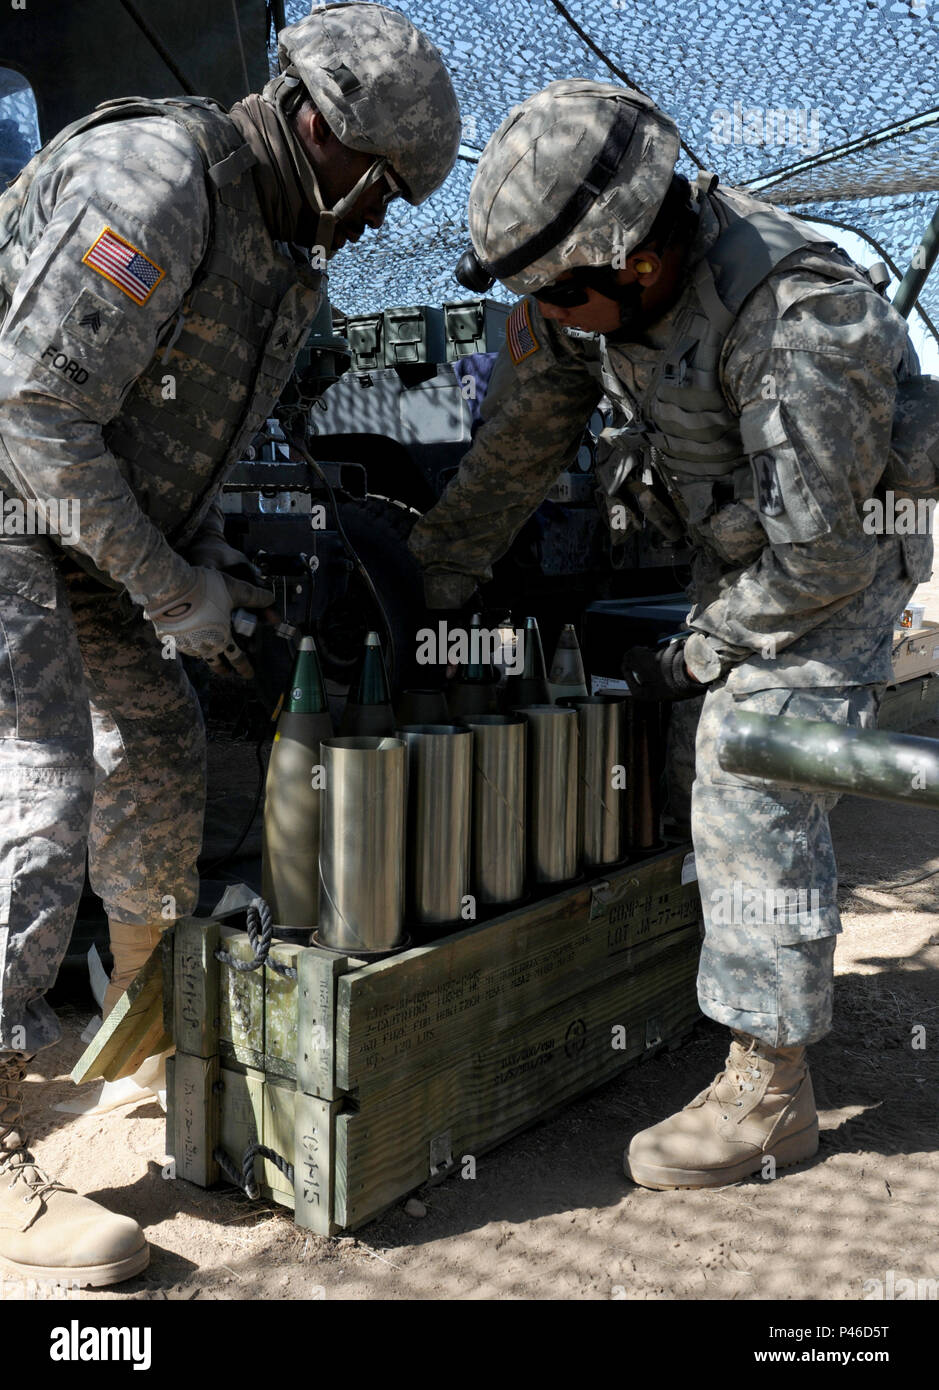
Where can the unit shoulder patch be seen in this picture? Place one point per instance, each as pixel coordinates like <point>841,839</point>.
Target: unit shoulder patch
<point>124,264</point>
<point>769,493</point>
<point>519,334</point>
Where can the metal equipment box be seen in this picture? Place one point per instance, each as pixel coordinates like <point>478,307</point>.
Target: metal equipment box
<point>412,333</point>
<point>474,325</point>
<point>364,332</point>
<point>365,1081</point>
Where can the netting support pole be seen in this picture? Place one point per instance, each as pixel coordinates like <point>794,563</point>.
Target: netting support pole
<point>924,258</point>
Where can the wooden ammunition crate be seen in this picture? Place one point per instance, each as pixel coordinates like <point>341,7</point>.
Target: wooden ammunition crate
<point>370,1079</point>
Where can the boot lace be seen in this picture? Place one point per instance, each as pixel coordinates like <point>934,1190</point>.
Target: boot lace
<point>741,1071</point>
<point>17,1162</point>
<point>35,1178</point>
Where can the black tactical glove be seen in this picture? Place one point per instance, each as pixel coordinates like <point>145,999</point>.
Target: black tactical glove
<point>660,674</point>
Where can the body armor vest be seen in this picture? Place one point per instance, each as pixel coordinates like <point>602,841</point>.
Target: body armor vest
<point>227,355</point>
<point>684,425</point>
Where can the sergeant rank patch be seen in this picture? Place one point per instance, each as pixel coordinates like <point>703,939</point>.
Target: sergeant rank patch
<point>124,265</point>
<point>519,334</point>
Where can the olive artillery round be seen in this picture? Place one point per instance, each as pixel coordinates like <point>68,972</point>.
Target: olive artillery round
<point>826,757</point>
<point>293,800</point>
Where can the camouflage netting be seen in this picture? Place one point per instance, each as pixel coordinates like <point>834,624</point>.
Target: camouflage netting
<point>755,91</point>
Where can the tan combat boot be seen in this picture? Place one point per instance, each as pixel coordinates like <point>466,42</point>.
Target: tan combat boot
<point>760,1105</point>
<point>131,948</point>
<point>48,1232</point>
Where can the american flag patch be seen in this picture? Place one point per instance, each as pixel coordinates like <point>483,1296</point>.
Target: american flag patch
<point>519,334</point>
<point>121,263</point>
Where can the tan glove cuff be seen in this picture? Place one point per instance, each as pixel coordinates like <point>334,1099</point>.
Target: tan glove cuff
<point>702,660</point>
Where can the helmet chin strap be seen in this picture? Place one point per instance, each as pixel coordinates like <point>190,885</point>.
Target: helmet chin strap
<point>329,218</point>
<point>281,94</point>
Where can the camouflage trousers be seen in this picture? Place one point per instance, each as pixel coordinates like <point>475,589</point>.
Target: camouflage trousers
<point>102,750</point>
<point>679,760</point>
<point>767,873</point>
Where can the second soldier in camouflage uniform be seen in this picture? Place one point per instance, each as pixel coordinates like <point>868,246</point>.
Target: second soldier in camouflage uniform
<point>753,371</point>
<point>155,288</point>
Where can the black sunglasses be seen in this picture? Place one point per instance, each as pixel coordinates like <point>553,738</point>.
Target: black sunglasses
<point>571,293</point>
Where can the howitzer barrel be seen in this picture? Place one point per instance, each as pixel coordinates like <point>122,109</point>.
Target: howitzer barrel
<point>826,757</point>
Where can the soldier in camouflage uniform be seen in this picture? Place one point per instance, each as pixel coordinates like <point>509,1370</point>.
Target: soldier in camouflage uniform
<point>753,370</point>
<point>156,284</point>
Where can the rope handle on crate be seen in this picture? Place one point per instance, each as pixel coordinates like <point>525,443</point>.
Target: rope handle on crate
<point>245,1178</point>
<point>260,927</point>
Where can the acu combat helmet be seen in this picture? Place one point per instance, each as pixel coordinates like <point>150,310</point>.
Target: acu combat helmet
<point>574,176</point>
<point>382,87</point>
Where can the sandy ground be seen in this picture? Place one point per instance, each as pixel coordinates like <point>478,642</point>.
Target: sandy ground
<point>550,1215</point>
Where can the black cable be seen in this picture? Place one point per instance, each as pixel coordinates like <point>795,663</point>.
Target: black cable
<point>241,47</point>
<point>310,597</point>
<point>617,71</point>
<point>311,462</point>
<point>159,46</point>
<point>889,887</point>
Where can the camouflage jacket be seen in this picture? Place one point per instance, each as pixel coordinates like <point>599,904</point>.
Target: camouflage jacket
<point>149,323</point>
<point>809,597</point>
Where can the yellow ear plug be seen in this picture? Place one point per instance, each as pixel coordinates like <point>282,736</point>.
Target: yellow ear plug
<point>643,267</point>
